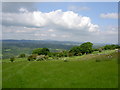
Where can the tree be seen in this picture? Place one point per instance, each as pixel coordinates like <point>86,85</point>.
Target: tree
<point>75,50</point>
<point>41,51</point>
<point>86,47</point>
<point>110,47</point>
<point>65,53</point>
<point>37,51</point>
<point>45,51</point>
<point>12,59</point>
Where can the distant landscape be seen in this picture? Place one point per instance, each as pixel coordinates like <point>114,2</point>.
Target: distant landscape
<point>16,47</point>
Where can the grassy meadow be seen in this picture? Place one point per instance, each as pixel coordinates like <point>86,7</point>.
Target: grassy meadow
<point>88,71</point>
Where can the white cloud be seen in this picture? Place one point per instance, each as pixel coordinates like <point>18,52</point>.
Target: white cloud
<point>40,34</point>
<point>109,15</point>
<point>23,10</point>
<point>54,19</point>
<point>65,36</point>
<point>53,35</point>
<point>55,25</point>
<point>51,30</point>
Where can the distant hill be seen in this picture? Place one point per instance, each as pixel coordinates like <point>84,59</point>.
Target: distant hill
<point>16,47</point>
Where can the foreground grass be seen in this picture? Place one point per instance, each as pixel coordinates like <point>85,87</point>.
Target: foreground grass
<point>77,73</point>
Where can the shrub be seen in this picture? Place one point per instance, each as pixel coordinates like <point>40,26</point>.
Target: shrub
<point>32,57</point>
<point>79,54</point>
<point>100,49</point>
<point>41,51</point>
<point>12,59</point>
<point>70,54</point>
<point>22,55</point>
<point>40,57</point>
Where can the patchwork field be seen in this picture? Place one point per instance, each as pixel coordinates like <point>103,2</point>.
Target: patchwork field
<point>87,71</point>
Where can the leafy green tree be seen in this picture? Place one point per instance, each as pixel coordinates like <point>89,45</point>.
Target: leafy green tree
<point>110,47</point>
<point>86,47</point>
<point>75,50</point>
<point>37,51</point>
<point>41,51</point>
<point>45,51</point>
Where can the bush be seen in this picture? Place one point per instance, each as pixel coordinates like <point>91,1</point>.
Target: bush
<point>70,54</point>
<point>21,55</point>
<point>32,57</point>
<point>12,59</point>
<point>40,57</point>
<point>79,54</point>
<point>100,49</point>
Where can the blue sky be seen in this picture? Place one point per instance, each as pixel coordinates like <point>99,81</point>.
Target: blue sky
<point>83,21</point>
<point>95,9</point>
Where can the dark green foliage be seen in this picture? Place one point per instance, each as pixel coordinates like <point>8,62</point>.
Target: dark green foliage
<point>74,51</point>
<point>37,51</point>
<point>22,55</point>
<point>45,51</point>
<point>41,51</point>
<point>30,58</point>
<point>86,48</point>
<point>12,59</point>
<point>79,54</point>
<point>110,47</point>
<point>82,49</point>
<point>65,53</point>
<point>70,54</point>
<point>95,49</point>
<point>58,54</point>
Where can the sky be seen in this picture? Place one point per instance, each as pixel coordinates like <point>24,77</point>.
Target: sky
<point>95,22</point>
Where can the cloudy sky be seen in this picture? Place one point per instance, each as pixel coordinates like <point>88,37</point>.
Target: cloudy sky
<point>62,21</point>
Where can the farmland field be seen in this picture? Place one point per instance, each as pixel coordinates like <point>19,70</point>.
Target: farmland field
<point>78,72</point>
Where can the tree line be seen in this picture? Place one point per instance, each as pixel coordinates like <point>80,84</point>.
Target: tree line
<point>85,48</point>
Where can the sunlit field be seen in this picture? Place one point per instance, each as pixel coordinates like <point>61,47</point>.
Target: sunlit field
<point>87,71</point>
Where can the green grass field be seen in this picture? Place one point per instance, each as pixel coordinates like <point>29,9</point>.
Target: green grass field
<point>78,72</point>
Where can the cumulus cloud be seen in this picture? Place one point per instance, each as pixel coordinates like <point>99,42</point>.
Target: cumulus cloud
<point>23,10</point>
<point>109,15</point>
<point>54,19</point>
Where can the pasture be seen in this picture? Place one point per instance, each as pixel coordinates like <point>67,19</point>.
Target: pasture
<point>78,72</point>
